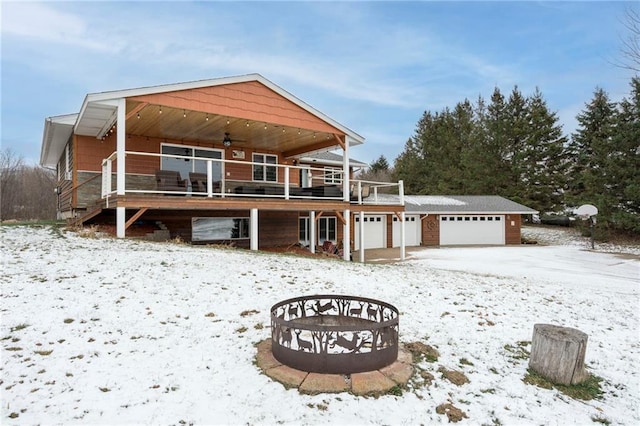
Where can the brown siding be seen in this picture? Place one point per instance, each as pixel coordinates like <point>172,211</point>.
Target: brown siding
<point>431,230</point>
<point>277,228</point>
<point>250,100</point>
<point>389,231</point>
<point>512,232</point>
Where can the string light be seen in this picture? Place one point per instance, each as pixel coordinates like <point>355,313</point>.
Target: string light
<point>247,124</point>
<point>138,116</point>
<point>207,119</point>
<point>184,113</point>
<point>160,112</point>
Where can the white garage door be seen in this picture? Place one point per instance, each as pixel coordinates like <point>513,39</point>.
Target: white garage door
<point>411,231</point>
<point>374,232</point>
<point>471,229</point>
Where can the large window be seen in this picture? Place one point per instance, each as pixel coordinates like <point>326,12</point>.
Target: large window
<point>219,228</point>
<point>188,164</point>
<point>332,175</point>
<point>262,171</point>
<point>326,230</point>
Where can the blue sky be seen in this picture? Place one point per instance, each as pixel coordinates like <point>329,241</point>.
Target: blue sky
<point>375,67</point>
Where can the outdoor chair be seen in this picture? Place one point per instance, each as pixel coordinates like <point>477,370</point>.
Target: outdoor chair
<point>199,183</point>
<point>170,180</point>
<point>365,191</point>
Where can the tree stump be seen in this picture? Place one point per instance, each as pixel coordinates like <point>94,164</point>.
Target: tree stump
<point>557,353</point>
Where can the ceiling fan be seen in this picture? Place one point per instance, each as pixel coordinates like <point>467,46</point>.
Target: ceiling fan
<point>227,141</point>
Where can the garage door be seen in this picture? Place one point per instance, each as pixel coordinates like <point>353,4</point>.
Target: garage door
<point>471,229</point>
<point>411,231</point>
<point>374,232</point>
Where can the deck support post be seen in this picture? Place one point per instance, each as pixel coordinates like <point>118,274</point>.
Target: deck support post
<point>312,231</point>
<point>402,235</point>
<point>361,229</point>
<point>120,221</point>
<point>346,241</point>
<point>254,229</point>
<point>121,138</point>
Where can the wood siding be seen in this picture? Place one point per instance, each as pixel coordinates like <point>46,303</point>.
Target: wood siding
<point>512,233</point>
<point>250,100</point>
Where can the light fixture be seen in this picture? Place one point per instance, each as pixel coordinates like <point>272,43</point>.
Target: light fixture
<point>226,141</point>
<point>283,130</point>
<point>265,126</point>
<point>184,113</point>
<point>138,116</point>
<point>298,131</point>
<point>227,121</point>
<point>207,119</point>
<point>247,124</point>
<point>160,111</point>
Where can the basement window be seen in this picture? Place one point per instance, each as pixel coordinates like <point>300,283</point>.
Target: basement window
<point>219,228</point>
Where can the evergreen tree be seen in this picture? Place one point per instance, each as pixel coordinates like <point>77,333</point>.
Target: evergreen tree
<point>380,165</point>
<point>590,179</point>
<point>623,164</point>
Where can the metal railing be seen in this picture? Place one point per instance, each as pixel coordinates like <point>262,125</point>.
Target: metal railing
<point>317,186</point>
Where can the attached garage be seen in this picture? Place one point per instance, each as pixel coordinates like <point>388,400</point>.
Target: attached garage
<point>411,231</point>
<point>472,230</point>
<point>375,235</point>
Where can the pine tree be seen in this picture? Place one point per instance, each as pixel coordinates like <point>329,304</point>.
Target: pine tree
<point>623,164</point>
<point>590,179</point>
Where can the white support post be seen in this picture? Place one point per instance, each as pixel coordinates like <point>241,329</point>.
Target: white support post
<point>286,183</point>
<point>254,229</point>
<point>312,231</point>
<point>209,178</point>
<point>402,235</point>
<point>121,138</point>
<point>345,171</point>
<point>401,191</point>
<point>346,240</point>
<point>361,248</point>
<point>120,221</point>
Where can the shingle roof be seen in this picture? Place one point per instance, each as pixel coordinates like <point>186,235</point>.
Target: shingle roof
<point>331,158</point>
<point>457,204</point>
<point>464,204</point>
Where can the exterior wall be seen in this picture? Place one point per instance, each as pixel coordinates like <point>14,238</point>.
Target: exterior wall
<point>513,225</point>
<point>430,230</point>
<point>250,100</point>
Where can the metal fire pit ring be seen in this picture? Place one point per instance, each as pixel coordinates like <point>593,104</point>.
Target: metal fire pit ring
<point>334,334</point>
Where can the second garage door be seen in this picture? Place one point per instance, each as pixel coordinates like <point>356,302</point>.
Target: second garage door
<point>411,232</point>
<point>374,232</point>
<point>472,230</point>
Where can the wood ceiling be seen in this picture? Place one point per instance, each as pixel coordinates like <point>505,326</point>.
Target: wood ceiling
<point>190,126</point>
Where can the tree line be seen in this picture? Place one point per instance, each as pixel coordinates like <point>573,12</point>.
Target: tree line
<point>26,192</point>
<point>514,146</point>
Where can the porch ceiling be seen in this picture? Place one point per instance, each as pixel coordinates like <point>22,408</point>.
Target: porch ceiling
<point>184,125</point>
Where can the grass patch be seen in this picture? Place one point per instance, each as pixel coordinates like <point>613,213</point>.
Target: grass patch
<point>586,391</point>
<point>241,329</point>
<point>421,351</point>
<point>44,353</point>
<point>19,327</point>
<point>603,420</point>
<point>68,320</point>
<point>249,312</point>
<point>458,378</point>
<point>395,391</point>
<point>464,361</point>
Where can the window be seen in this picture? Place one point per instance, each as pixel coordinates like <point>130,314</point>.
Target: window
<point>332,175</point>
<point>219,228</point>
<point>326,230</point>
<point>262,171</point>
<point>189,164</point>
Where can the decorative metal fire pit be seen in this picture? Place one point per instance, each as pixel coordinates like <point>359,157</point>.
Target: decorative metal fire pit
<point>334,334</point>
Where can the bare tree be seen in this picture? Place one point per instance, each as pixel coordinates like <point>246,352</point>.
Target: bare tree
<point>631,44</point>
<point>26,192</point>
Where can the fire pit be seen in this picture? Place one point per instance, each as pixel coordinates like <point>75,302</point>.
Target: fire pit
<point>334,334</point>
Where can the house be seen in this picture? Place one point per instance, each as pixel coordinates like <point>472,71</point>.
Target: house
<point>432,220</point>
<point>229,159</point>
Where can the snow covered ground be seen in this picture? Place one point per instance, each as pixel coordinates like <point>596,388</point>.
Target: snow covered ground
<point>106,331</point>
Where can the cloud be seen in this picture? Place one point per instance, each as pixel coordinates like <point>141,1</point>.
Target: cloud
<point>43,23</point>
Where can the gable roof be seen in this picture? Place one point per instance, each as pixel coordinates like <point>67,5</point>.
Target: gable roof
<point>98,112</point>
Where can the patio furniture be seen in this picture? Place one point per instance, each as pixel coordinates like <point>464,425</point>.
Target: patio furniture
<point>365,191</point>
<point>170,180</point>
<point>199,183</point>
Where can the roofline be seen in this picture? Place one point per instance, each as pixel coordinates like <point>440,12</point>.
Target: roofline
<point>148,90</point>
<point>51,124</point>
<point>459,212</point>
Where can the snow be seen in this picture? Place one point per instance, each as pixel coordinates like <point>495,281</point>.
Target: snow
<point>434,200</point>
<point>158,332</point>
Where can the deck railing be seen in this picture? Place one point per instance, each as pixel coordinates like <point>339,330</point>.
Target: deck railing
<point>318,187</point>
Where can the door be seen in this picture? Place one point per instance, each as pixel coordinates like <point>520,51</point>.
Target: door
<point>472,230</point>
<point>411,230</point>
<point>374,232</point>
